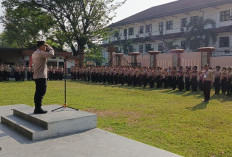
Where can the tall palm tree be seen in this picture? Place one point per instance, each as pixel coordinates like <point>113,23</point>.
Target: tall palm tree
<point>198,33</point>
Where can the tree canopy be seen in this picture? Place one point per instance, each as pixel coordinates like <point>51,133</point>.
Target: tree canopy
<point>200,34</point>
<point>75,23</point>
<point>23,25</point>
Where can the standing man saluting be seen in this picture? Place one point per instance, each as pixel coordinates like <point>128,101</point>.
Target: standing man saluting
<point>207,83</point>
<point>39,58</point>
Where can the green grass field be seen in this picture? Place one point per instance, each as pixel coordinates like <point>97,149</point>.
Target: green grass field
<point>175,121</point>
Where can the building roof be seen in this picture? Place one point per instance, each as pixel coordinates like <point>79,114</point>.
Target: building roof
<point>168,9</point>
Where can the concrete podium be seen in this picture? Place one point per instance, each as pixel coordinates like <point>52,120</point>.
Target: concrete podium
<point>52,124</point>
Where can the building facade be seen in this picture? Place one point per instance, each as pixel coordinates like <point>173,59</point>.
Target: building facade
<point>152,29</point>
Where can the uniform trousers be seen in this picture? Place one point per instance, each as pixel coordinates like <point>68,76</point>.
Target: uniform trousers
<point>217,85</point>
<point>229,86</point>
<point>187,83</point>
<point>206,90</point>
<point>41,86</point>
<point>224,85</point>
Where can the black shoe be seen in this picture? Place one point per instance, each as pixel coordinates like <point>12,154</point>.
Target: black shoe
<point>40,111</point>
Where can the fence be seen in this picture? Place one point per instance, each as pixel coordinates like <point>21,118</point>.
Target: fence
<point>169,59</point>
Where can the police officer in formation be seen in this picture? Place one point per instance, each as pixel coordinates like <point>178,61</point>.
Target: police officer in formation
<point>55,73</point>
<point>22,72</point>
<point>172,77</point>
<point>5,71</point>
<point>17,72</point>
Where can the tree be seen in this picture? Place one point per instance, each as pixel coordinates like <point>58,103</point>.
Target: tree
<point>94,53</point>
<point>79,21</point>
<point>198,34</point>
<point>23,26</point>
<point>127,46</point>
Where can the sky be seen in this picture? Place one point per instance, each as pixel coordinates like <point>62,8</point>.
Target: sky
<point>131,7</point>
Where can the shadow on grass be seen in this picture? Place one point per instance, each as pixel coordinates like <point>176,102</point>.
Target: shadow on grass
<point>117,86</point>
<point>200,106</point>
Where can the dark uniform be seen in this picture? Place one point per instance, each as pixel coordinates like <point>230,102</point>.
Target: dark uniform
<point>187,79</point>
<point>174,81</point>
<point>158,78</point>
<point>217,80</point>
<point>229,83</point>
<point>207,81</point>
<point>180,79</point>
<point>224,81</point>
<point>194,81</point>
<point>1,72</point>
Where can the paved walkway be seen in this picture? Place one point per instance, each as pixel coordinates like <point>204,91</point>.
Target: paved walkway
<point>93,143</point>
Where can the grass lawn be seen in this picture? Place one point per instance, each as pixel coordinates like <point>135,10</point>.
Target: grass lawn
<point>175,121</point>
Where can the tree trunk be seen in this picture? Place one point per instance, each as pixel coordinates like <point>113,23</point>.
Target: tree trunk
<point>81,57</point>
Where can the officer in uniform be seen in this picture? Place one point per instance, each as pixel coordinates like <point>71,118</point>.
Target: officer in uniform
<point>39,58</point>
<point>223,80</point>
<point>217,79</point>
<point>174,81</point>
<point>158,77</point>
<point>194,81</point>
<point>170,76</point>
<point>187,79</point>
<point>207,83</point>
<point>17,73</point>
<point>50,73</point>
<point>1,72</point>
<point>7,72</point>
<point>180,79</point>
<point>229,82</point>
<point>29,73</point>
<point>165,77</point>
<point>23,70</point>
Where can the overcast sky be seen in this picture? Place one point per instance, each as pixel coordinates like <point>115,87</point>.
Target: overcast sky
<point>129,8</point>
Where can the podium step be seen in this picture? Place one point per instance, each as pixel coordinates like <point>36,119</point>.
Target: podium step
<point>26,113</point>
<point>40,126</point>
<point>24,127</point>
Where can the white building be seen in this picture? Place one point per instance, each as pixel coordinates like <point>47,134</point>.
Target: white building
<point>149,29</point>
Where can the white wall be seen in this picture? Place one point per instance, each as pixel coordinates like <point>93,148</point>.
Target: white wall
<point>212,13</point>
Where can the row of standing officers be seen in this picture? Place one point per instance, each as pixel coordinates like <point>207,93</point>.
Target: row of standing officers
<point>20,73</point>
<point>189,78</point>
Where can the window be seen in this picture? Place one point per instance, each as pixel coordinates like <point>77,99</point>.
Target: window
<point>125,32</point>
<point>131,31</point>
<point>183,44</point>
<point>194,44</point>
<point>224,42</point>
<point>141,30</point>
<point>194,19</point>
<point>116,34</point>
<point>148,47</point>
<point>225,15</point>
<point>148,28</point>
<point>141,48</point>
<point>184,22</point>
<point>160,47</point>
<point>161,26</point>
<point>169,25</point>
<point>131,48</point>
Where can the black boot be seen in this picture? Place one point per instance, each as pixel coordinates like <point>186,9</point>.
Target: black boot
<point>39,111</point>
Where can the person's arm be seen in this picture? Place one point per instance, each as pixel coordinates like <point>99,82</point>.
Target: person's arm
<point>48,54</point>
